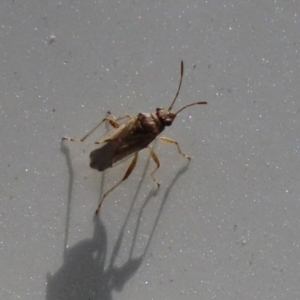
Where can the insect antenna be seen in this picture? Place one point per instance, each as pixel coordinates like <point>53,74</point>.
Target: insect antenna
<point>196,103</point>
<point>181,75</point>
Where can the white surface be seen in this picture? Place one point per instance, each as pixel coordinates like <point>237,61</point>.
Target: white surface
<point>225,227</point>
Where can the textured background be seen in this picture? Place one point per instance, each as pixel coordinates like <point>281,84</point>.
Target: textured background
<point>224,227</point>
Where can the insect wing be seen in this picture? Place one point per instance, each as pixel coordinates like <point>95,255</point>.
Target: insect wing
<point>102,158</point>
<point>133,143</point>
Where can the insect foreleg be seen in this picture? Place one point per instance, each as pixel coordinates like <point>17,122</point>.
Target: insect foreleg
<point>128,172</point>
<point>155,158</point>
<point>170,141</point>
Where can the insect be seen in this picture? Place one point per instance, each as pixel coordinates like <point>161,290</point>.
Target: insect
<point>132,136</point>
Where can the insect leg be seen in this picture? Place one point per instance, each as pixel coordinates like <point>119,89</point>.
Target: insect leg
<point>170,141</point>
<point>155,158</point>
<point>113,123</point>
<point>121,118</point>
<point>128,172</point>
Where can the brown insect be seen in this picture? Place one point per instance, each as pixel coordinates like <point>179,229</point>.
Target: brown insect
<point>132,136</point>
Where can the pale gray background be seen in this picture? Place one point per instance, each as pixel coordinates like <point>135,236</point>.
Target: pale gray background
<point>226,226</point>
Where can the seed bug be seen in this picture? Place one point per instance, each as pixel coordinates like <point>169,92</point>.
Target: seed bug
<point>130,137</point>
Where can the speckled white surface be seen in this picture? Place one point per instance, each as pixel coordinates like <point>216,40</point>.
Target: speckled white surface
<point>226,226</point>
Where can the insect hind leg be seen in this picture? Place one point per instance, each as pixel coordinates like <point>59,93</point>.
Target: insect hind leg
<point>170,141</point>
<point>121,118</point>
<point>127,174</point>
<point>111,121</point>
<point>114,123</point>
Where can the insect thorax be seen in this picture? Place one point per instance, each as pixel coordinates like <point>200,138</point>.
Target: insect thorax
<point>149,123</point>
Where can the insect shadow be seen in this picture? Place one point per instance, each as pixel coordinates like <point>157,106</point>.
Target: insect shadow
<point>86,272</point>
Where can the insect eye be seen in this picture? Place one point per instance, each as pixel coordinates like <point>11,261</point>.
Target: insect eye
<point>168,121</point>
